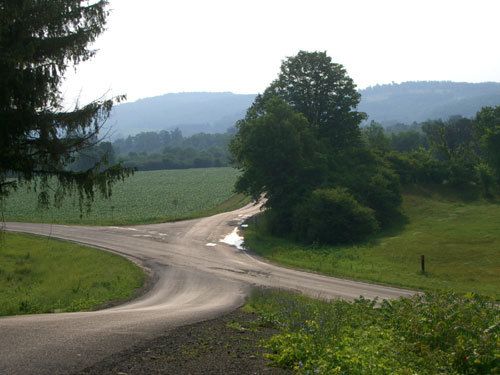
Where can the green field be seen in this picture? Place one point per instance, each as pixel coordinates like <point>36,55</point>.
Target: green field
<point>461,243</point>
<point>145,197</point>
<point>41,275</point>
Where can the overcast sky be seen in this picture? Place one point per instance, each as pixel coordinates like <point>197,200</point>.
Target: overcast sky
<point>152,47</point>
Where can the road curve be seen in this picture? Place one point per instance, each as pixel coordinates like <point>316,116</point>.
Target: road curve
<point>197,277</point>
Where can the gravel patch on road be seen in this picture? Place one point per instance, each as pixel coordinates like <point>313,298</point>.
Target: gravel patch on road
<point>228,345</point>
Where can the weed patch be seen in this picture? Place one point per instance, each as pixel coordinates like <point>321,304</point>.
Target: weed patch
<point>441,333</point>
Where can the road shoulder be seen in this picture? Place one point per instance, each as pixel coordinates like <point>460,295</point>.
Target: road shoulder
<point>230,344</point>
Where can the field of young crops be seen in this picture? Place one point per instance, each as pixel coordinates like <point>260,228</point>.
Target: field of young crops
<point>145,197</point>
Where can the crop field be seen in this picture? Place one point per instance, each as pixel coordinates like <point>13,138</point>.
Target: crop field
<point>460,242</point>
<point>145,197</point>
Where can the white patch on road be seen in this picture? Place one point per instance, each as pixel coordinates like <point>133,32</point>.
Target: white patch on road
<point>234,239</point>
<point>211,244</point>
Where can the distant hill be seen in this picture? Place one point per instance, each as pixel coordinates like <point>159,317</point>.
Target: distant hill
<point>192,113</point>
<point>420,101</point>
<point>388,104</point>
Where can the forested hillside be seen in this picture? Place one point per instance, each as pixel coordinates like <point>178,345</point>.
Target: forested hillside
<point>410,102</point>
<point>205,112</point>
<point>194,112</point>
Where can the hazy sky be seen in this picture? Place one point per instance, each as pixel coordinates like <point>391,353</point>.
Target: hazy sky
<point>153,47</point>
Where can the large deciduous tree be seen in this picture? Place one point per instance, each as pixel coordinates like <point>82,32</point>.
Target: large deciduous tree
<point>278,154</point>
<point>39,41</point>
<point>322,91</point>
<point>300,145</point>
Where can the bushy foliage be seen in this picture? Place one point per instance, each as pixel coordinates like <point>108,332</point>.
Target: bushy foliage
<point>407,141</point>
<point>426,334</point>
<point>373,183</point>
<point>460,152</point>
<point>488,130</point>
<point>375,137</point>
<point>333,215</point>
<point>302,135</point>
<point>486,178</point>
<point>417,167</point>
<point>277,153</point>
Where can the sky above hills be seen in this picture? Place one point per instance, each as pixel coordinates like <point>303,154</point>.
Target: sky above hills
<point>154,46</point>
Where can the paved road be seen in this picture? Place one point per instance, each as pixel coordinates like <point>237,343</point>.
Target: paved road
<point>197,277</point>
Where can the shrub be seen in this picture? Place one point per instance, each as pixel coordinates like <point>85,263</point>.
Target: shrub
<point>418,167</point>
<point>436,333</point>
<point>382,194</point>
<point>333,216</point>
<point>486,177</point>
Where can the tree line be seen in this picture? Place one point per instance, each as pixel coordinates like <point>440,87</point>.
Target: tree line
<point>171,150</point>
<point>459,152</point>
<point>166,149</point>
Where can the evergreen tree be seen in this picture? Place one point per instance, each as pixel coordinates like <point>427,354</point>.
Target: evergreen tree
<point>39,40</point>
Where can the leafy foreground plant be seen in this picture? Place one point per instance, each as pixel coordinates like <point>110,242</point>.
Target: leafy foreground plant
<point>426,334</point>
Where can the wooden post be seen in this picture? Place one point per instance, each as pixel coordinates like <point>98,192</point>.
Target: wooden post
<point>422,264</point>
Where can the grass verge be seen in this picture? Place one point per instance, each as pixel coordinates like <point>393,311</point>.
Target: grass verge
<point>426,334</point>
<point>42,275</point>
<point>460,241</point>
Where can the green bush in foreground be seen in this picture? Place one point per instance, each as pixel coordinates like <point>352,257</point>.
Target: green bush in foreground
<point>426,334</point>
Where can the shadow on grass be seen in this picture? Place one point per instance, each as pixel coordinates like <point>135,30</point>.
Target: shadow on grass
<point>395,226</point>
<point>450,193</point>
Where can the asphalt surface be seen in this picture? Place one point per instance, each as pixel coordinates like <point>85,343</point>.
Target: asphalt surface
<point>196,277</point>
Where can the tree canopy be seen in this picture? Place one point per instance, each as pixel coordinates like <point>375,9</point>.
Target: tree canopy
<point>300,145</point>
<point>313,85</point>
<point>488,129</point>
<point>39,41</point>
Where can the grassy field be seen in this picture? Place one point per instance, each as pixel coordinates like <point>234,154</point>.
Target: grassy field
<point>40,275</point>
<point>145,197</point>
<point>461,243</point>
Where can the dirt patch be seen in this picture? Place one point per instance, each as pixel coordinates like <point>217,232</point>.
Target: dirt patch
<point>227,345</point>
